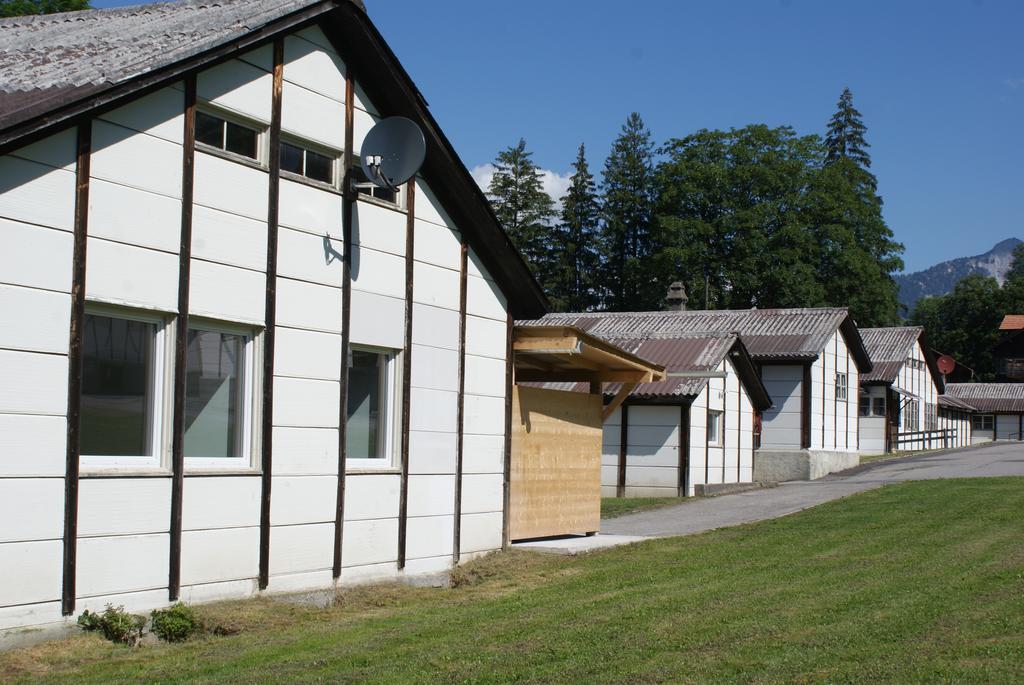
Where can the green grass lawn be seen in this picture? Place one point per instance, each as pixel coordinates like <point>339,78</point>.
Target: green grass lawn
<point>612,507</point>
<point>917,582</point>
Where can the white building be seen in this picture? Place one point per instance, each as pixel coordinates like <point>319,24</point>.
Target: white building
<point>899,399</point>
<point>809,360</point>
<point>998,407</point>
<point>221,369</point>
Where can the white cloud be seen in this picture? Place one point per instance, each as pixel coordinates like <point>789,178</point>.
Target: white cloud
<point>555,184</point>
<point>1014,83</point>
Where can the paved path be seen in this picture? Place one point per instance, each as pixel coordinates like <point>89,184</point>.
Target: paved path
<point>1003,459</point>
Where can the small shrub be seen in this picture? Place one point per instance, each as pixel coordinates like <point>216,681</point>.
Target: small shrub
<point>177,623</point>
<point>115,624</point>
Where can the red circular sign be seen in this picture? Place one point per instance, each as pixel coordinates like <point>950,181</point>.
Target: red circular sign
<point>946,364</point>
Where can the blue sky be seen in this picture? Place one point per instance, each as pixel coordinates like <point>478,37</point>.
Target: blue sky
<point>940,85</point>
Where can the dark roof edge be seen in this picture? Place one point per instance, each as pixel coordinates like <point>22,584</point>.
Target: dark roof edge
<point>932,362</point>
<point>855,344</point>
<point>749,376</point>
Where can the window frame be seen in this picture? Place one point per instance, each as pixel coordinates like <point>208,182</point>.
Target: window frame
<point>842,389</point>
<point>717,414</point>
<point>875,401</point>
<point>160,417</point>
<point>864,404</point>
<point>979,420</point>
<point>250,404</point>
<point>400,191</point>
<point>392,401</point>
<point>306,145</point>
<point>261,129</point>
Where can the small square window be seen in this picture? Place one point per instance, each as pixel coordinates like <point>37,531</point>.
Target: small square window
<point>864,407</point>
<point>300,160</point>
<point>217,132</point>
<point>368,189</point>
<point>291,158</point>
<point>209,130</point>
<point>240,140</point>
<point>714,427</point>
<point>370,405</point>
<point>878,406</point>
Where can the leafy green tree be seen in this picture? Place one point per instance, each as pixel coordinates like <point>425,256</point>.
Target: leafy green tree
<point>574,281</point>
<point>1016,271</point>
<point>845,137</point>
<point>524,209</point>
<point>628,242</point>
<point>965,322</point>
<point>19,8</point>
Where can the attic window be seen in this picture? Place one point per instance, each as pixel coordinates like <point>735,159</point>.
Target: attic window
<point>367,189</point>
<point>300,160</point>
<point>221,134</point>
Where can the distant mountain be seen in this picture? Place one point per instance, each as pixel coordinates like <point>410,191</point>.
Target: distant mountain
<point>940,279</point>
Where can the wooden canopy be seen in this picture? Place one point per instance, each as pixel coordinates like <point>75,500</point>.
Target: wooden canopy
<point>566,354</point>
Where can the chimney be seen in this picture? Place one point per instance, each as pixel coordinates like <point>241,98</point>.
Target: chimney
<point>676,299</point>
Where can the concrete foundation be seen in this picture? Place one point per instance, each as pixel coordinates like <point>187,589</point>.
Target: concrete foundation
<point>781,465</point>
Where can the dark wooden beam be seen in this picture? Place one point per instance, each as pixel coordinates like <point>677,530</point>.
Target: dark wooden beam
<point>273,197</point>
<point>82,169</point>
<point>460,410</point>
<point>684,450</point>
<point>348,201</point>
<point>410,242</point>
<point>188,158</point>
<point>805,408</point>
<point>620,477</point>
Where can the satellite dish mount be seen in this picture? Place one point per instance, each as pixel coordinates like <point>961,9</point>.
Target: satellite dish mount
<point>392,153</point>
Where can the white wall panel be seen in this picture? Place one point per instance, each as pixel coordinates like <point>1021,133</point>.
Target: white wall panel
<point>485,376</point>
<point>123,506</point>
<point>58,150</point>
<point>431,495</point>
<point>294,549</point>
<point>432,367</point>
<point>310,209</point>
<point>159,114</point>
<point>428,207</point>
<point>308,257</point>
<point>239,87</point>
<point>433,410</point>
<point>436,327</point>
<point>483,453</point>
<point>378,272</point>
<point>436,286</point>
<point>482,492</point>
<point>485,337</point>
<point>378,320</point>
<point>221,501</point>
<point>32,445</point>
<point>131,275</point>
<point>431,452</point>
<point>36,320</point>
<point>305,403</point>
<point>305,450</point>
<point>129,215</point>
<point>371,497</point>
<point>35,257</point>
<point>307,354</point>
<point>36,193</point>
<point>362,123</point>
<point>309,65</point>
<point>31,509</point>
<point>227,292</point>
<point>308,305</point>
<point>437,245</point>
<point>230,186</point>
<point>122,564</point>
<point>312,116</point>
<point>485,299</point>
<point>378,228</point>
<point>228,238</point>
<point>303,499</point>
<point>32,383</point>
<point>369,542</point>
<point>32,571</point>
<point>429,536</point>
<point>484,415</point>
<point>209,556</point>
<point>135,159</point>
<point>480,532</point>
<point>28,615</point>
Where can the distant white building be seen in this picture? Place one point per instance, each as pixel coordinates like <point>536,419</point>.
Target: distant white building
<point>222,370</point>
<point>998,409</point>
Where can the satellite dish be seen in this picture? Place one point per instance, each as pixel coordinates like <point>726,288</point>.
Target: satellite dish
<point>946,364</point>
<point>393,152</point>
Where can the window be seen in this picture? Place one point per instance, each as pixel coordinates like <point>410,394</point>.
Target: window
<point>864,406</point>
<point>911,418</point>
<point>983,422</point>
<point>931,417</point>
<point>367,189</point>
<point>218,396</point>
<point>371,375</point>
<point>878,406</point>
<point>221,134</point>
<point>714,427</point>
<point>301,161</point>
<point>841,387</point>
<point>123,367</point>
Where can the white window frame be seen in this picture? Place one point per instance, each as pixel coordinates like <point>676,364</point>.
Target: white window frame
<point>260,127</point>
<point>400,193</point>
<point>842,389</point>
<point>337,165</point>
<point>160,412</point>
<point>250,403</point>
<point>715,419</point>
<point>393,402</point>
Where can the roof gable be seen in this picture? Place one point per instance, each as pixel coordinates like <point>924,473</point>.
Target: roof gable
<point>889,349</point>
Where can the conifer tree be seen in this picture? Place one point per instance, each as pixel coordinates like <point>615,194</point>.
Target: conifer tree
<point>845,137</point>
<point>523,208</point>
<point>574,279</point>
<point>628,236</point>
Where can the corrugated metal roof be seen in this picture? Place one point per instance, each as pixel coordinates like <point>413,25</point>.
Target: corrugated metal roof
<point>767,333</point>
<point>889,349</point>
<point>994,397</point>
<point>951,402</point>
<point>44,58</point>
<point>1012,322</point>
